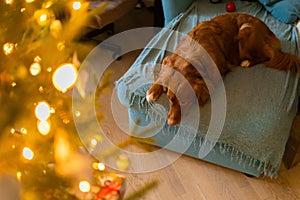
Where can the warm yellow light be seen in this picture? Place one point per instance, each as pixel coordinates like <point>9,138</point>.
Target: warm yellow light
<point>43,18</point>
<point>35,68</point>
<point>62,147</point>
<point>42,111</point>
<point>48,4</point>
<point>13,84</point>
<point>29,1</point>
<point>8,48</point>
<point>100,166</point>
<point>49,69</point>
<point>84,186</point>
<point>60,46</point>
<point>44,127</point>
<point>28,153</point>
<point>9,2</point>
<point>94,142</point>
<point>77,113</point>
<point>19,175</point>
<point>122,162</point>
<point>76,5</point>
<point>55,28</point>
<point>23,131</point>
<point>37,59</point>
<point>23,10</point>
<point>64,77</point>
<point>41,89</point>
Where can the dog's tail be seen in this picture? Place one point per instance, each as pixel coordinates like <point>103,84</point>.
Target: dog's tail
<point>284,61</point>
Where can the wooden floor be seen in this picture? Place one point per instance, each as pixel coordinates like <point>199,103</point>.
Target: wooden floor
<point>188,178</point>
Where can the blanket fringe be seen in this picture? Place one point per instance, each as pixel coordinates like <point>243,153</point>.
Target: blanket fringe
<point>243,160</point>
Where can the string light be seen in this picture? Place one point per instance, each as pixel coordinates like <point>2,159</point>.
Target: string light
<point>19,175</point>
<point>64,77</point>
<point>43,127</point>
<point>60,46</point>
<point>23,131</point>
<point>29,1</point>
<point>84,186</point>
<point>41,89</point>
<point>8,48</point>
<point>94,142</point>
<point>13,84</point>
<point>76,5</point>
<point>28,153</point>
<point>37,59</point>
<point>48,4</point>
<point>42,111</point>
<point>49,69</point>
<point>77,113</point>
<point>43,16</point>
<point>9,2</point>
<point>18,131</point>
<point>99,166</point>
<point>35,68</point>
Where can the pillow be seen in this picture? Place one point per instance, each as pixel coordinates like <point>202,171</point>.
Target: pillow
<point>287,11</point>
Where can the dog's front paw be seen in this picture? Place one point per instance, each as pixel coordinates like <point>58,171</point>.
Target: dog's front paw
<point>245,63</point>
<point>154,92</point>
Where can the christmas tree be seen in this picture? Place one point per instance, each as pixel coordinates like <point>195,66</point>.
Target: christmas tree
<point>40,151</point>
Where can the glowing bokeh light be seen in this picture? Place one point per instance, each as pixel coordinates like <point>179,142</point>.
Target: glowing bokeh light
<point>28,153</point>
<point>84,186</point>
<point>64,77</point>
<point>42,111</point>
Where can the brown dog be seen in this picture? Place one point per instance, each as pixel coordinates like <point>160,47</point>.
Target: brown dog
<point>229,40</point>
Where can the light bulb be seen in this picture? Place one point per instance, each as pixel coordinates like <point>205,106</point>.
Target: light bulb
<point>9,2</point>
<point>28,153</point>
<point>42,111</point>
<point>43,127</point>
<point>43,16</point>
<point>64,77</point>
<point>84,186</point>
<point>19,175</point>
<point>101,166</point>
<point>35,68</point>
<point>76,5</point>
<point>8,48</point>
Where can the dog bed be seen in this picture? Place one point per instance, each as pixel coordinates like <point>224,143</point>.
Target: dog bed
<point>260,103</point>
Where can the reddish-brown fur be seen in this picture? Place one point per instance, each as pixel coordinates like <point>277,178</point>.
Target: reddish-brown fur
<point>230,40</point>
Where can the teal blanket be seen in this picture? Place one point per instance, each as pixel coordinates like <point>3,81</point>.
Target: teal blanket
<point>260,102</point>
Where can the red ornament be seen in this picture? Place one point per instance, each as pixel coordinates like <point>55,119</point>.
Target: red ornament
<point>230,7</point>
<point>110,191</point>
